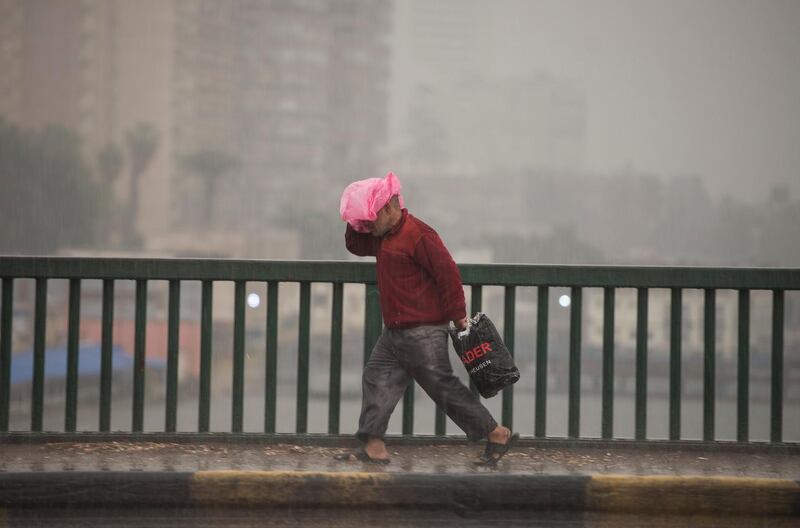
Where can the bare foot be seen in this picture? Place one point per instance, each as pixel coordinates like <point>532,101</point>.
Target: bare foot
<point>376,449</point>
<point>500,435</point>
<point>499,442</point>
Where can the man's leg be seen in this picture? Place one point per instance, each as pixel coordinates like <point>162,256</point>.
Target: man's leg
<point>424,354</point>
<point>383,383</point>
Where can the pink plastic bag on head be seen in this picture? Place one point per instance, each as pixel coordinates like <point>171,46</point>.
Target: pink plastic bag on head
<point>362,200</point>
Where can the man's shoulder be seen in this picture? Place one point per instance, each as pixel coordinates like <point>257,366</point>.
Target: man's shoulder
<point>421,228</point>
<point>406,239</point>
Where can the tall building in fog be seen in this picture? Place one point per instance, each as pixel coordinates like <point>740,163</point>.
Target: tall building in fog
<point>313,102</point>
<point>294,91</point>
<point>453,111</point>
<point>97,67</point>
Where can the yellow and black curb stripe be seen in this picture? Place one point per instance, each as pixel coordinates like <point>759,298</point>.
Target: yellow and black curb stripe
<point>601,493</point>
<point>691,495</point>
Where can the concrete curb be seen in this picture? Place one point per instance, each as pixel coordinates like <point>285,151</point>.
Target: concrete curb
<point>599,493</point>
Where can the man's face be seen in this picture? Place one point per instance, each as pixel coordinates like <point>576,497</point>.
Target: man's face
<point>381,225</point>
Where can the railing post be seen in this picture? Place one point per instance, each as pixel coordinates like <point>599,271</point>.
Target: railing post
<point>709,363</point>
<point>408,409</point>
<point>106,350</point>
<point>440,422</point>
<point>641,364</point>
<point>237,414</point>
<point>334,396</point>
<point>39,338</point>
<point>476,305</point>
<point>743,392</point>
<point>271,375</point>
<point>542,302</point>
<point>173,339</point>
<point>304,328</point>
<point>509,316</point>
<point>575,363</point>
<point>372,319</point>
<point>206,331</point>
<point>776,407</point>
<point>6,317</point>
<point>675,336</point>
<point>73,335</point>
<point>139,355</point>
<point>608,363</point>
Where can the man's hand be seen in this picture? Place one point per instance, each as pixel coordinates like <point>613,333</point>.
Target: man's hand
<point>461,324</point>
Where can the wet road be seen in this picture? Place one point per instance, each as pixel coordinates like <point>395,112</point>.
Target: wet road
<point>442,459</point>
<point>223,517</point>
<point>531,459</point>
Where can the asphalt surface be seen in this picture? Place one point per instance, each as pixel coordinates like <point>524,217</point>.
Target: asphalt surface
<point>234,481</point>
<point>338,518</point>
<point>424,459</point>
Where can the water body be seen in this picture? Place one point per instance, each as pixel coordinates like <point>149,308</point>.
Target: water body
<point>424,415</point>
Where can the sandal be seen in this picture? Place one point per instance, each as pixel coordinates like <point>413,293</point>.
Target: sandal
<point>494,451</point>
<point>360,455</point>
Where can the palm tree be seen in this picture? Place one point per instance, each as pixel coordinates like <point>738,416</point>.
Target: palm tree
<point>109,164</point>
<point>142,142</point>
<point>109,167</point>
<point>210,165</point>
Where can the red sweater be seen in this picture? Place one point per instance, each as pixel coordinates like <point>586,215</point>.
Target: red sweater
<point>418,281</point>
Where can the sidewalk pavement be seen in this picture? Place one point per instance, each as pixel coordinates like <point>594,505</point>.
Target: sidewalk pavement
<point>600,476</point>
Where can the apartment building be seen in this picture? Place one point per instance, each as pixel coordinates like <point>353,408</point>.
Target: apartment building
<point>293,91</point>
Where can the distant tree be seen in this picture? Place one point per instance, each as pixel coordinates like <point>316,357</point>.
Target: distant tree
<point>210,165</point>
<point>561,246</point>
<point>779,235</point>
<point>48,198</point>
<point>735,233</point>
<point>142,142</point>
<point>321,231</point>
<point>779,195</point>
<point>684,223</point>
<point>110,163</point>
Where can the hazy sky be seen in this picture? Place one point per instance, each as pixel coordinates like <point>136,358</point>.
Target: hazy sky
<point>708,87</point>
<point>702,87</point>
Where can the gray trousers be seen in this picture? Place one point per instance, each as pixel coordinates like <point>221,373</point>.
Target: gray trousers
<point>420,353</point>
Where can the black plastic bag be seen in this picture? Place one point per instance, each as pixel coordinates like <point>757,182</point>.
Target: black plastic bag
<point>485,356</point>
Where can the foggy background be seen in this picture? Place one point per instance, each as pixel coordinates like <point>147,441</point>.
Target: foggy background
<point>619,131</point>
<point>564,132</point>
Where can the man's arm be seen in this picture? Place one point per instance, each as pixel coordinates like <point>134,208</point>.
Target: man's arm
<point>434,257</point>
<point>361,244</point>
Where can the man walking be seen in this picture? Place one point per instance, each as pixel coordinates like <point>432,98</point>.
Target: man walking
<point>420,294</point>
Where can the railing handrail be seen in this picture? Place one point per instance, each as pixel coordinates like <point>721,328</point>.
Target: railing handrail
<point>475,276</point>
<point>586,276</point>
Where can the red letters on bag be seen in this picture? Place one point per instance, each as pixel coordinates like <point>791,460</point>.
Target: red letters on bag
<point>488,361</point>
<point>476,353</point>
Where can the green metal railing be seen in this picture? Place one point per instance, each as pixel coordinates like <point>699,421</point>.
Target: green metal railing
<point>306,273</point>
